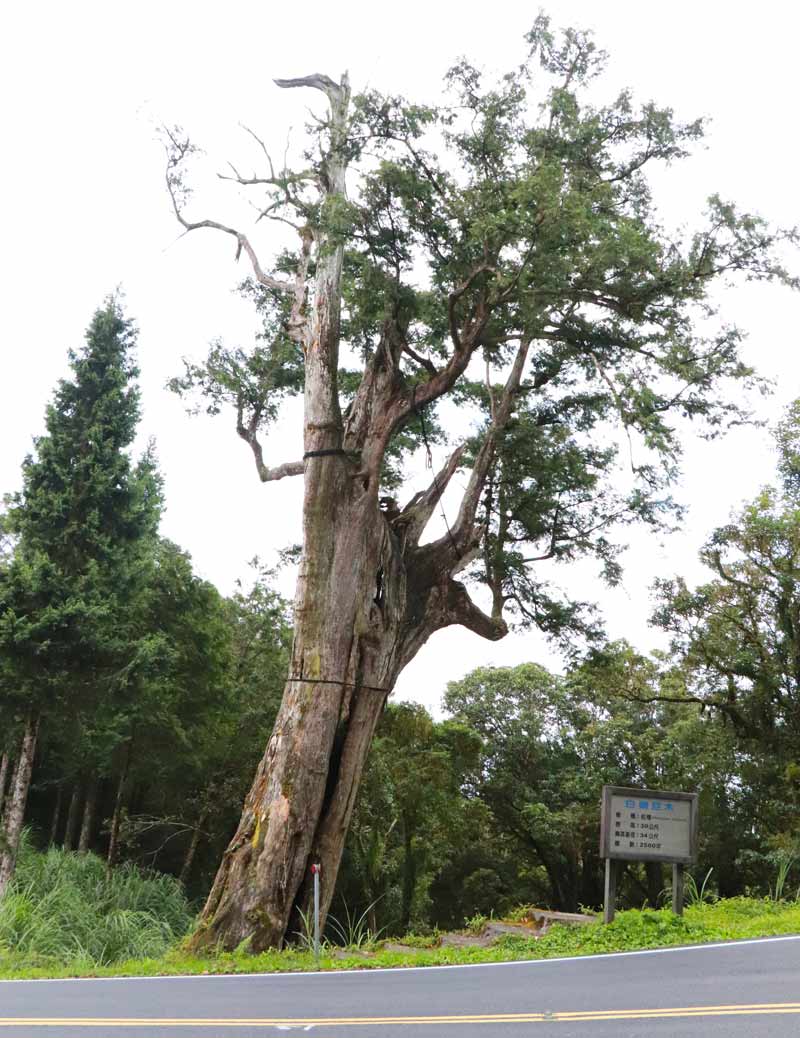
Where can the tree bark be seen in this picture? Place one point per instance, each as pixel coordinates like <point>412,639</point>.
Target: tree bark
<point>5,764</point>
<point>591,884</point>
<point>119,801</point>
<point>89,810</point>
<point>56,815</point>
<point>70,832</point>
<point>655,882</point>
<point>191,850</point>
<point>15,809</point>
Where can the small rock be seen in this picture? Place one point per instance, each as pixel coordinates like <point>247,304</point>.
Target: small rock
<point>463,940</point>
<point>494,930</point>
<point>401,949</point>
<point>346,953</point>
<point>541,917</point>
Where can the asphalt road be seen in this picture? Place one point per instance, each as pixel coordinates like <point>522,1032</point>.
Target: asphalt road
<point>747,988</point>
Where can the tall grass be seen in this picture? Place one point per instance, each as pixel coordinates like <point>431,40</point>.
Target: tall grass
<point>699,895</point>
<point>785,864</point>
<point>62,906</point>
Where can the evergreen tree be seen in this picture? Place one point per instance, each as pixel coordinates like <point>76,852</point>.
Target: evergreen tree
<point>84,523</point>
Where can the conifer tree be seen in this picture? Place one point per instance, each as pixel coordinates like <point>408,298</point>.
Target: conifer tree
<point>84,525</point>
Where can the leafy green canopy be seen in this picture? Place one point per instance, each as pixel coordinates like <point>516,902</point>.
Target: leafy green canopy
<point>411,819</point>
<point>551,742</point>
<point>519,211</point>
<point>738,637</point>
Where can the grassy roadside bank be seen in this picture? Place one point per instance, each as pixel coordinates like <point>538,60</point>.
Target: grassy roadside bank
<point>735,918</point>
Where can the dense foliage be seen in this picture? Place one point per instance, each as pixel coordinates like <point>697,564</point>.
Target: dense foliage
<point>147,693</point>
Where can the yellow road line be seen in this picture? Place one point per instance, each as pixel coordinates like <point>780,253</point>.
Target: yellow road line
<point>573,1016</point>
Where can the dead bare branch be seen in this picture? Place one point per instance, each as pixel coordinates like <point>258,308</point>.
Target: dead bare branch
<point>318,82</point>
<point>177,150</point>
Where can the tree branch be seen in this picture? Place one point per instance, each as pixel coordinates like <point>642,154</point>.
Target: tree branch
<point>454,297</point>
<point>462,610</point>
<point>423,362</point>
<point>177,150</point>
<point>731,710</point>
<point>416,514</point>
<point>462,533</point>
<point>248,434</point>
<point>318,82</point>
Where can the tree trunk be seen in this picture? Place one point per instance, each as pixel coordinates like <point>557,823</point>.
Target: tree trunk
<point>15,809</point>
<point>591,879</point>
<point>191,850</point>
<point>409,881</point>
<point>362,611</point>
<point>368,597</point>
<point>119,800</point>
<point>5,764</point>
<point>70,831</point>
<point>655,882</point>
<point>334,823</point>
<point>56,815</point>
<point>87,824</point>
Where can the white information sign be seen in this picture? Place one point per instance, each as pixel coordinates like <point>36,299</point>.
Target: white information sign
<point>646,825</point>
<point>654,827</point>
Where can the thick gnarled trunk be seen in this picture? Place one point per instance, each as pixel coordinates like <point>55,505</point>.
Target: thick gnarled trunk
<point>14,815</point>
<point>368,594</point>
<point>265,864</point>
<point>358,623</point>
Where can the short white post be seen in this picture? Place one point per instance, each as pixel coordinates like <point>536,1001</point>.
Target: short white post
<point>315,869</point>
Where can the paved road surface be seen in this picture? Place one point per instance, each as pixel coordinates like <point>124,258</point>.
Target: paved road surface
<point>748,988</point>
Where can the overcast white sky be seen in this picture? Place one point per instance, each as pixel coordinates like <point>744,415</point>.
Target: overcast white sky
<point>84,210</point>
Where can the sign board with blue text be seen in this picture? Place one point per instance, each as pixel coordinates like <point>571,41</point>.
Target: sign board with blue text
<point>648,825</point>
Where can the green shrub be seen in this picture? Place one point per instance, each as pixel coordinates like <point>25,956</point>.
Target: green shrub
<point>61,906</point>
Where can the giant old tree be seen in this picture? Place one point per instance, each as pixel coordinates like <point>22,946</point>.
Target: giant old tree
<point>501,254</point>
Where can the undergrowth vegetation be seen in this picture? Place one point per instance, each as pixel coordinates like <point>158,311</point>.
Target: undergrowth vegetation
<point>62,909</point>
<point>63,917</point>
